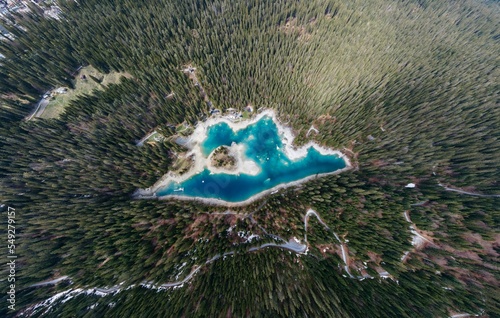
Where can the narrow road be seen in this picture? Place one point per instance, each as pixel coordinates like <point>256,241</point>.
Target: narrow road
<point>345,254</point>
<point>141,142</point>
<point>188,277</point>
<point>306,218</point>
<point>407,216</point>
<point>419,203</point>
<point>416,236</point>
<point>312,129</point>
<point>39,108</point>
<point>470,193</point>
<point>51,282</point>
<point>292,245</point>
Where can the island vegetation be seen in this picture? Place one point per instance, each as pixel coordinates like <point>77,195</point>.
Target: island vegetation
<point>222,158</point>
<point>407,89</point>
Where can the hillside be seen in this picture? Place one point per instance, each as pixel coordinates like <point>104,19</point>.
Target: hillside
<point>408,90</point>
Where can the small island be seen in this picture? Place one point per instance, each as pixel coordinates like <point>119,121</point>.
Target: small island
<point>222,158</point>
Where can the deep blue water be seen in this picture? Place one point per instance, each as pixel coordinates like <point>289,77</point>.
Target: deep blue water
<point>264,147</point>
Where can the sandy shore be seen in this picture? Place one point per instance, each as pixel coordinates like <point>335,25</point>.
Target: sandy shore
<point>244,165</point>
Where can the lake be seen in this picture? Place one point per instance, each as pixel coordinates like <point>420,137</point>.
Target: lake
<point>266,146</point>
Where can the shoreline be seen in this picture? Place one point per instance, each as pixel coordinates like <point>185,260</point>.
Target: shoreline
<point>243,164</point>
<point>253,198</point>
<point>200,162</point>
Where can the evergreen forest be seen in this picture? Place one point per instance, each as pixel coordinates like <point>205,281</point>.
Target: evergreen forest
<point>409,90</point>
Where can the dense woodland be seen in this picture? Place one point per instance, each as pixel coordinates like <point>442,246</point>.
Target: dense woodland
<point>409,90</point>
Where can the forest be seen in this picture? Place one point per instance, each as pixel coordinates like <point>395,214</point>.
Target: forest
<point>408,90</point>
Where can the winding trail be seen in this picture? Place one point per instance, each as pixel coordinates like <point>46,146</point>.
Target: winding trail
<point>293,245</point>
<point>345,254</point>
<point>306,218</point>
<point>312,129</point>
<point>418,240</point>
<point>187,278</point>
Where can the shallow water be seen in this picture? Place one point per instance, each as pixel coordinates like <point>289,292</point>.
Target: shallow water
<point>264,146</point>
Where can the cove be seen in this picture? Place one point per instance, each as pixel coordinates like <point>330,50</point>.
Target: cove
<point>265,161</point>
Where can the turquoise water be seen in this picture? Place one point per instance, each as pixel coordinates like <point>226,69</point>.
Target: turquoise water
<point>263,145</point>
